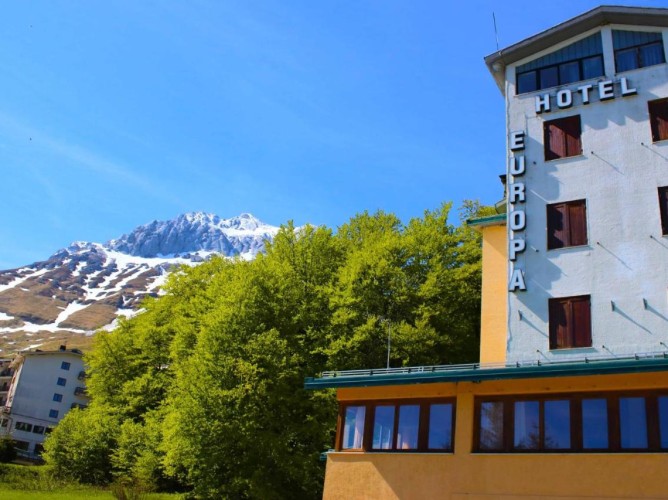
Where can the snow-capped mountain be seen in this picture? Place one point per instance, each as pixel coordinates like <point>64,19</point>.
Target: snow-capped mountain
<point>88,286</point>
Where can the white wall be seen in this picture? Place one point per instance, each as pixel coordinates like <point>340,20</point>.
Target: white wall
<point>618,175</point>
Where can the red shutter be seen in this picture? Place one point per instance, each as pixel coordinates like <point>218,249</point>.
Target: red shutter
<point>577,215</point>
<point>581,321</point>
<point>559,321</point>
<point>572,132</point>
<point>663,208</point>
<point>555,142</point>
<point>557,226</point>
<point>658,115</point>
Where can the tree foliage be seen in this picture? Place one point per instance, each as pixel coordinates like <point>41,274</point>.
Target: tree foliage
<point>205,387</point>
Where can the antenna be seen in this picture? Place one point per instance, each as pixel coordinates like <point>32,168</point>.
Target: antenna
<point>496,33</point>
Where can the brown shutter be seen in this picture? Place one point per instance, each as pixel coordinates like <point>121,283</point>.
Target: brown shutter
<point>555,142</point>
<point>559,321</point>
<point>581,321</point>
<point>572,132</point>
<point>557,226</point>
<point>577,215</point>
<point>663,208</point>
<point>658,116</point>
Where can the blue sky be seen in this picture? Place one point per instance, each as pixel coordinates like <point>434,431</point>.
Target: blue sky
<point>116,113</point>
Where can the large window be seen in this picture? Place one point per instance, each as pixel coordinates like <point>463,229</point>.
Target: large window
<point>23,426</point>
<point>397,425</point>
<point>570,322</point>
<point>637,49</point>
<point>579,61</point>
<point>566,224</point>
<point>562,138</point>
<point>603,422</point>
<point>658,119</point>
<point>663,209</point>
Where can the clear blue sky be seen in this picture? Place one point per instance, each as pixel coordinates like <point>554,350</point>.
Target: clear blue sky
<point>115,113</point>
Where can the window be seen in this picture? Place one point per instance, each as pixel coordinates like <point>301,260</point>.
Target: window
<point>65,365</point>
<point>58,397</point>
<point>663,209</point>
<point>3,422</point>
<point>61,381</point>
<point>637,49</point>
<point>399,426</point>
<point>38,429</point>
<point>579,61</point>
<point>53,413</point>
<point>570,322</point>
<point>566,224</point>
<point>610,422</point>
<point>658,119</point>
<point>562,138</point>
<point>23,426</point>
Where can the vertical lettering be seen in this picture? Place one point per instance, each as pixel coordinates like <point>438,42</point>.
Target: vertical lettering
<point>516,192</point>
<point>517,281</point>
<point>517,166</point>
<point>518,220</point>
<point>516,246</point>
<point>516,141</point>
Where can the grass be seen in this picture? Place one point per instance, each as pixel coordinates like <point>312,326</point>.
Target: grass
<point>19,482</point>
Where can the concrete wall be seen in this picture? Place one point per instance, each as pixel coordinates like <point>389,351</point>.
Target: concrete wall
<point>467,475</point>
<point>617,174</point>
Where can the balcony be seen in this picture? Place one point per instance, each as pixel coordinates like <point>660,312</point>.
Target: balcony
<point>81,391</point>
<point>82,375</point>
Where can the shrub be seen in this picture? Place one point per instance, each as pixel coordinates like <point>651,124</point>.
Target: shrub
<point>7,450</point>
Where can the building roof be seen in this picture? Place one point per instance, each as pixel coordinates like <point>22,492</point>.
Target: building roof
<point>600,16</point>
<point>490,220</point>
<point>652,362</point>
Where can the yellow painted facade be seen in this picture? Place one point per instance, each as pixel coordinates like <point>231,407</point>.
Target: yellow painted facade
<point>494,307</point>
<point>464,475</point>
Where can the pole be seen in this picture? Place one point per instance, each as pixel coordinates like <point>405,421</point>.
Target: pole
<point>389,341</point>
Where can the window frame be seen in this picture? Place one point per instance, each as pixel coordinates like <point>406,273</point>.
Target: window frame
<point>53,413</point>
<point>65,365</point>
<point>569,224</point>
<point>571,332</point>
<point>652,421</point>
<point>571,144</point>
<point>638,59</point>
<point>369,419</point>
<point>58,398</point>
<point>539,86</point>
<point>61,381</point>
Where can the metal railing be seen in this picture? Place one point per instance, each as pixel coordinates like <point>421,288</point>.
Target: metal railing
<point>482,366</point>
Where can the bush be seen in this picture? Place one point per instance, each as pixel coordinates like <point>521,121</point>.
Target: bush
<point>7,450</point>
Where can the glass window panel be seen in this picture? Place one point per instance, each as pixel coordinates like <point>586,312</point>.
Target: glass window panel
<point>409,422</point>
<point>383,428</point>
<point>594,424</point>
<point>651,55</point>
<point>557,425</point>
<point>491,425</point>
<point>527,430</point>
<point>549,77</point>
<point>440,427</point>
<point>626,60</point>
<point>663,420</point>
<point>569,72</point>
<point>633,422</point>
<point>592,67</point>
<point>353,428</point>
<point>527,82</point>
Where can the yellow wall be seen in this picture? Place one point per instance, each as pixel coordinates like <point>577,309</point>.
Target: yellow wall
<point>463,475</point>
<point>494,314</point>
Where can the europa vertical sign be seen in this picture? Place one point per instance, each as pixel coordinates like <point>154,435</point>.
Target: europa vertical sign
<point>517,219</point>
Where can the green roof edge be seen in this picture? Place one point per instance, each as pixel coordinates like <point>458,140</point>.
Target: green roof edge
<point>581,368</point>
<point>488,220</point>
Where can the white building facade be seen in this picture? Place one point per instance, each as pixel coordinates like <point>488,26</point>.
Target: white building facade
<point>587,184</point>
<point>45,385</point>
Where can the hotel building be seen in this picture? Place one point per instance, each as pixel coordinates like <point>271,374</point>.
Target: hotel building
<point>570,398</point>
